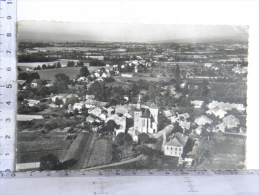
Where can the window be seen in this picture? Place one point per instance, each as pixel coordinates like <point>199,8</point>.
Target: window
<point>180,149</point>
<point>167,148</point>
<point>175,153</point>
<point>175,149</point>
<point>171,148</point>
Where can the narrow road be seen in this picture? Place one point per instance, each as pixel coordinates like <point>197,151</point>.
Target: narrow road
<point>114,164</point>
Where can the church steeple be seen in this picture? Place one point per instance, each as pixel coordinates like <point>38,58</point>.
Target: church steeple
<point>139,102</point>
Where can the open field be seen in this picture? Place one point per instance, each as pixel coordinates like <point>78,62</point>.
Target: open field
<point>72,72</point>
<point>223,152</point>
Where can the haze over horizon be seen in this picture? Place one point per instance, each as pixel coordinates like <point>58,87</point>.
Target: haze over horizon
<point>43,31</point>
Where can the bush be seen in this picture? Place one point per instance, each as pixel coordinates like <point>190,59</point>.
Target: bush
<point>49,125</point>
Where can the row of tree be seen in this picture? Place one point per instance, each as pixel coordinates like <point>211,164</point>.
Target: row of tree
<point>44,66</point>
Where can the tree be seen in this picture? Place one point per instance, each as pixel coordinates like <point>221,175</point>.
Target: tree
<point>177,71</point>
<point>41,82</point>
<point>44,66</point>
<point>28,76</point>
<point>67,164</point>
<point>143,138</point>
<point>49,125</point>
<point>61,83</point>
<point>123,139</point>
<point>204,88</point>
<point>110,126</point>
<point>23,76</point>
<point>58,101</point>
<point>37,68</point>
<point>34,75</point>
<point>58,65</point>
<point>84,72</point>
<point>49,162</point>
<point>70,64</point>
<point>96,62</point>
<point>80,64</point>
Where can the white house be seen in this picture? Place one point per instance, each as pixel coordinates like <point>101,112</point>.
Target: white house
<point>78,106</point>
<point>231,121</point>
<point>202,120</point>
<point>96,111</point>
<point>221,127</point>
<point>217,112</point>
<point>33,102</point>
<point>175,146</point>
<point>197,103</point>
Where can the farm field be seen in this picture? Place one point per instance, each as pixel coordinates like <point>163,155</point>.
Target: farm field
<point>72,72</point>
<point>38,145</point>
<point>102,153</point>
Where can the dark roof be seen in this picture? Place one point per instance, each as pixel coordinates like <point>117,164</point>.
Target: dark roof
<point>181,138</point>
<point>174,142</point>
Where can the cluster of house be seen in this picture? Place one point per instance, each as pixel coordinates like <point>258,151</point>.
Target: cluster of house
<point>130,63</point>
<point>34,84</point>
<point>97,75</point>
<point>239,69</point>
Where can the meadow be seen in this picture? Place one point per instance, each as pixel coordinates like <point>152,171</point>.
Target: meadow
<point>72,72</point>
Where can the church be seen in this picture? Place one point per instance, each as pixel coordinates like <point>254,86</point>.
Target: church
<point>145,119</point>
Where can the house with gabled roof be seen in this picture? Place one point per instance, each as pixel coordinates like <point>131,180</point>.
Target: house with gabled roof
<point>231,121</point>
<point>217,112</point>
<point>96,111</point>
<point>175,146</point>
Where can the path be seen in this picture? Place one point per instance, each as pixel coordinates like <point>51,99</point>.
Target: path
<point>71,152</point>
<point>114,164</point>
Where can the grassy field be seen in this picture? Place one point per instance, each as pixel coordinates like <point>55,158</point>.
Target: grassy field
<point>72,72</point>
<point>223,152</point>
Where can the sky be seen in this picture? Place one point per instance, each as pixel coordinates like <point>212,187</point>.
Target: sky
<point>130,21</point>
<point>115,32</point>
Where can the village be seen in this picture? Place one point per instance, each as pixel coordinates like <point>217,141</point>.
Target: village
<point>132,106</point>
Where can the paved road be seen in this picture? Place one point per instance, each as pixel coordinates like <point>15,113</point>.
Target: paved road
<point>114,164</point>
